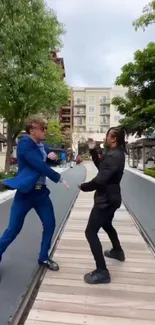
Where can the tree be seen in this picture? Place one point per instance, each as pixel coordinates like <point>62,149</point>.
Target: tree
<point>147,18</point>
<point>30,81</point>
<point>138,107</point>
<point>68,137</point>
<point>54,134</point>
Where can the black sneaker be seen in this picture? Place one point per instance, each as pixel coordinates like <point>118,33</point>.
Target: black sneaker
<point>50,265</point>
<point>115,254</point>
<point>97,277</point>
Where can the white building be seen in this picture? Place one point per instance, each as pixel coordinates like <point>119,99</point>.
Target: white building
<point>93,113</point>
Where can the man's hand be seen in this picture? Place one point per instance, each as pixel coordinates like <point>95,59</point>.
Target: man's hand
<point>91,144</point>
<point>52,156</point>
<point>66,184</point>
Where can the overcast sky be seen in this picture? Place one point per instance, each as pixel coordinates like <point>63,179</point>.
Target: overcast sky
<point>100,38</point>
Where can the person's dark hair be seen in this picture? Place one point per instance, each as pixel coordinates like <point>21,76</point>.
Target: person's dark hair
<point>119,132</point>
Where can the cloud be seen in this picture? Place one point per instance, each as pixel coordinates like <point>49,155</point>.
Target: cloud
<point>100,38</point>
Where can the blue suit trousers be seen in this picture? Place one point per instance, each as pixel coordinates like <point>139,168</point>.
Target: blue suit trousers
<point>22,204</point>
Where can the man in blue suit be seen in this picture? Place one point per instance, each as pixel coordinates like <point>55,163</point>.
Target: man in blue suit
<point>34,160</point>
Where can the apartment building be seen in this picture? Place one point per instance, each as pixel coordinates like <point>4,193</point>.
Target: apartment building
<point>93,113</point>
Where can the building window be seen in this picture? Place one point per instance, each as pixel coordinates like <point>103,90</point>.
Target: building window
<point>91,119</point>
<point>103,109</point>
<point>103,99</point>
<point>79,121</point>
<point>80,111</point>
<point>79,100</point>
<point>104,120</point>
<point>91,109</point>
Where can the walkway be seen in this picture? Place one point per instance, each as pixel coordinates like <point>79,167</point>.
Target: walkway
<point>64,299</point>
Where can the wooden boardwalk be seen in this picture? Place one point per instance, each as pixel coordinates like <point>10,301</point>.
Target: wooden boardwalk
<point>64,298</point>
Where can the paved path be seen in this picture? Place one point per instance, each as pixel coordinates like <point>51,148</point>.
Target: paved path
<point>64,299</point>
<point>20,260</point>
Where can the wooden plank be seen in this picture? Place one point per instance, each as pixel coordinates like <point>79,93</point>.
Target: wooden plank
<point>111,286</point>
<point>93,309</point>
<point>74,318</point>
<point>117,277</point>
<point>99,301</point>
<point>91,291</point>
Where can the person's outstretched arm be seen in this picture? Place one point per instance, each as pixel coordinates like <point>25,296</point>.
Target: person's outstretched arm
<point>93,153</point>
<point>95,157</point>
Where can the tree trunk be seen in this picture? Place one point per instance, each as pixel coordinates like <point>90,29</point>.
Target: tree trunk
<point>9,149</point>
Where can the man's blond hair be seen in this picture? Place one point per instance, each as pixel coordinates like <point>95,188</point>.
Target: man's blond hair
<point>33,121</point>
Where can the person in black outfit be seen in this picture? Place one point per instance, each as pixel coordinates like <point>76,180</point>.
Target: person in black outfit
<point>107,200</point>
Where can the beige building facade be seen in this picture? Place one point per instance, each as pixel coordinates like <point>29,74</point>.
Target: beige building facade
<point>93,113</point>
<point>3,130</point>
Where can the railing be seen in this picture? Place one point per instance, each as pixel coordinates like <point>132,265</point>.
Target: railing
<point>78,113</point>
<point>80,103</point>
<point>105,101</point>
<point>138,192</point>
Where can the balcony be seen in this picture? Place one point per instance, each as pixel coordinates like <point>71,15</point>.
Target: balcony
<point>105,112</point>
<point>65,114</point>
<point>105,101</point>
<point>79,113</point>
<point>105,122</point>
<point>80,103</point>
<point>66,106</point>
<point>79,128</point>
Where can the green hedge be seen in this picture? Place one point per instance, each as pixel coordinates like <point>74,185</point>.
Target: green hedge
<point>4,176</point>
<point>150,171</point>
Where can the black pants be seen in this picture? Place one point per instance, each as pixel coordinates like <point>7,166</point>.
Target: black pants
<point>101,218</point>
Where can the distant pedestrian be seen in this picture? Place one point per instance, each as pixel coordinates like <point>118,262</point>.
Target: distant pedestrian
<point>63,159</point>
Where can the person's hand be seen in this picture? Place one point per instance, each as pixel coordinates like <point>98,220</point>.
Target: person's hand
<point>66,184</point>
<point>52,156</point>
<point>91,144</point>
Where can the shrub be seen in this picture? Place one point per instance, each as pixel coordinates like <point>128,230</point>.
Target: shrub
<point>4,175</point>
<point>150,172</point>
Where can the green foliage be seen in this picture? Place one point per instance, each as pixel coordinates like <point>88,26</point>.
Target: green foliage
<point>54,134</point>
<point>30,81</point>
<point>150,172</point>
<point>147,18</point>
<point>4,175</point>
<point>138,107</point>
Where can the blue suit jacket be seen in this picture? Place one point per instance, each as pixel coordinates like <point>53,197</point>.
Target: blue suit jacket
<point>30,167</point>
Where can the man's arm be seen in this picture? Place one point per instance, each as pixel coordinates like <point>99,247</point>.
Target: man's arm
<point>51,162</point>
<point>108,167</point>
<point>35,162</point>
<point>95,157</point>
<point>94,153</point>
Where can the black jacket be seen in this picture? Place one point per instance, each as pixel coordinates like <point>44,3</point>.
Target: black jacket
<point>107,182</point>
